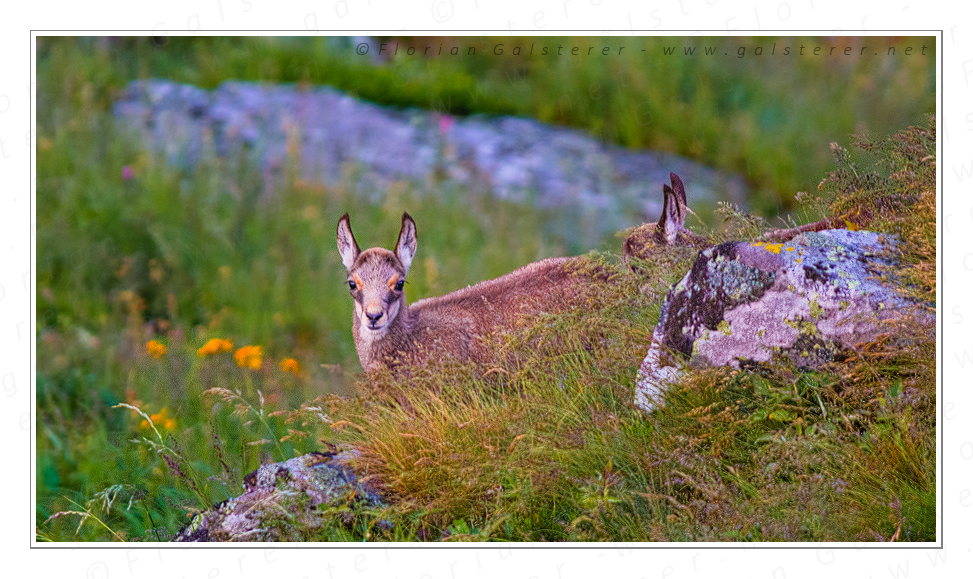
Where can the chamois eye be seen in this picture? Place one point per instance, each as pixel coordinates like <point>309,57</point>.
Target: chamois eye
<point>352,285</point>
<point>399,285</point>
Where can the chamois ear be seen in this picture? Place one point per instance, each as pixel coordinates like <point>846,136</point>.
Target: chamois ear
<point>678,189</point>
<point>347,246</point>
<point>672,218</point>
<point>405,247</point>
<point>680,195</point>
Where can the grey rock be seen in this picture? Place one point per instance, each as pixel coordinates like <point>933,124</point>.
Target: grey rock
<point>284,501</point>
<point>336,138</point>
<point>744,303</point>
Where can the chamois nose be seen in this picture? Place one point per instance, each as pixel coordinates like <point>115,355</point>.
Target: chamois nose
<point>374,317</point>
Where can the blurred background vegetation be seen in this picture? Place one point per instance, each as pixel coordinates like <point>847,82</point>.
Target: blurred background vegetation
<point>769,117</point>
<point>132,250</point>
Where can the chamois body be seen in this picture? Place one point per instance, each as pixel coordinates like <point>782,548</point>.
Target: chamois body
<point>388,332</point>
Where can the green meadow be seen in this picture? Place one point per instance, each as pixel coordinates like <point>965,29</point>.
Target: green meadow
<point>152,281</point>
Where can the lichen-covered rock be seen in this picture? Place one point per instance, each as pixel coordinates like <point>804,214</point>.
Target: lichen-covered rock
<point>333,137</point>
<point>285,501</point>
<point>744,303</point>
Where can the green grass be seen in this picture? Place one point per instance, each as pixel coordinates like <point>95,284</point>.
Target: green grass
<point>557,451</point>
<point>767,117</point>
<point>185,257</point>
<point>553,450</point>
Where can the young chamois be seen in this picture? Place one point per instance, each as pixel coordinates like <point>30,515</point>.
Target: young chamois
<point>671,227</point>
<point>388,332</point>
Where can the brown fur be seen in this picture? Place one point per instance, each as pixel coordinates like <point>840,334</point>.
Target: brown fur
<point>457,324</point>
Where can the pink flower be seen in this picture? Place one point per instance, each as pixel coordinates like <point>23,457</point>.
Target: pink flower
<point>445,122</point>
<point>127,173</point>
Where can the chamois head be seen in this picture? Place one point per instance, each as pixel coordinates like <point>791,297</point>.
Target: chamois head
<point>669,230</point>
<point>376,277</point>
<point>674,208</point>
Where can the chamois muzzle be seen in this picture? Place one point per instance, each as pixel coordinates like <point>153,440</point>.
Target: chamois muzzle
<point>373,319</point>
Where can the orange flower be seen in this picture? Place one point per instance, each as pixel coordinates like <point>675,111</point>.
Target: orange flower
<point>160,419</point>
<point>214,346</point>
<point>156,349</point>
<point>249,357</point>
<point>290,365</point>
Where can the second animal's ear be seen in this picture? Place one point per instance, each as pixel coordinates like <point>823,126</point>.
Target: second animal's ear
<point>672,219</point>
<point>347,246</point>
<point>678,188</point>
<point>405,247</point>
